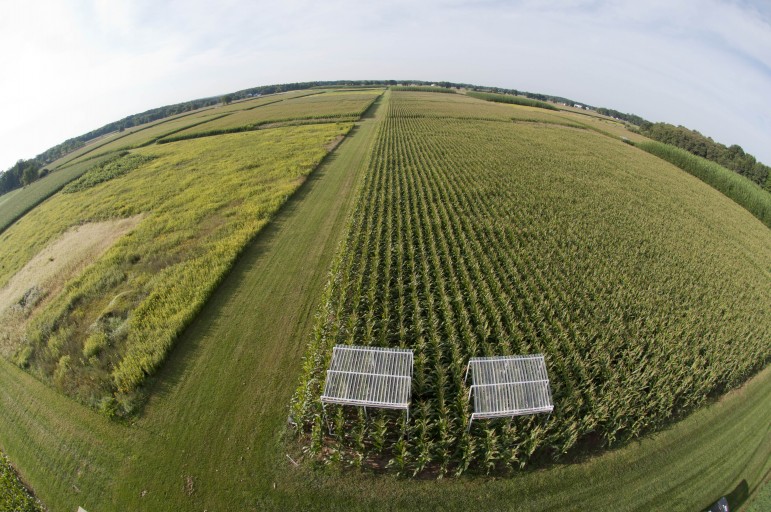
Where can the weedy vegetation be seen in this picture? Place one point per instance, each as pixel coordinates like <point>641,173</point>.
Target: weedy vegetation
<point>146,134</point>
<point>202,201</point>
<point>21,201</point>
<point>323,107</point>
<point>477,238</point>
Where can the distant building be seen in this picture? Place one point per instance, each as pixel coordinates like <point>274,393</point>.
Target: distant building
<point>578,105</point>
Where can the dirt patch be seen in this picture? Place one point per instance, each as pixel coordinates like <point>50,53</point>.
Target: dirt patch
<point>46,273</point>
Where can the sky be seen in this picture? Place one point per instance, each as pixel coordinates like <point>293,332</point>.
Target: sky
<point>71,66</point>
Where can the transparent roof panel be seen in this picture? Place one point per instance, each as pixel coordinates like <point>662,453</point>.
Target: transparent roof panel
<point>509,386</point>
<point>369,376</point>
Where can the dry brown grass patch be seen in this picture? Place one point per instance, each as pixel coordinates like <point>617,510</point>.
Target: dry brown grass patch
<point>44,276</point>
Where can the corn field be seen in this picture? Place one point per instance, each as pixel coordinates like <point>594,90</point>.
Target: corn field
<point>648,292</point>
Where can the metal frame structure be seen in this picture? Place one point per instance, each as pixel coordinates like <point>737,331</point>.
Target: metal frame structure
<point>369,377</point>
<point>509,386</point>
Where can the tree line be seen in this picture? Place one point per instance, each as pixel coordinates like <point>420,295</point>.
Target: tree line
<point>21,174</point>
<point>731,157</point>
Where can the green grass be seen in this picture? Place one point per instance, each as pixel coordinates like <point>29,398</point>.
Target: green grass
<point>740,189</point>
<point>508,98</point>
<point>15,204</point>
<point>219,406</point>
<point>13,495</point>
<point>149,134</point>
<point>7,196</point>
<point>761,501</point>
<point>202,201</point>
<point>474,238</point>
<point>329,106</point>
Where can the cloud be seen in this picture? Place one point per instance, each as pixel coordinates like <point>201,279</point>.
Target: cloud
<point>77,66</point>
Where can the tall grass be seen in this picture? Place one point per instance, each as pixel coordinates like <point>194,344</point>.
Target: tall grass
<point>203,200</point>
<point>740,189</point>
<point>320,107</point>
<point>24,200</point>
<point>507,98</point>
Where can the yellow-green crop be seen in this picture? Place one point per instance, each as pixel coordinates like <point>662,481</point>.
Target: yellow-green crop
<point>202,201</point>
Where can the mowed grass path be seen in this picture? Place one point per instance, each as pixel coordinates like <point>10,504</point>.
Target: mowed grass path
<point>210,437</point>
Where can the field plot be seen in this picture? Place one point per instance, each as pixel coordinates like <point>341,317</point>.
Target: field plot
<point>264,100</point>
<point>199,202</point>
<point>610,127</point>
<point>473,238</point>
<point>330,106</point>
<point>457,106</point>
<point>147,133</point>
<point>16,203</point>
<point>150,133</point>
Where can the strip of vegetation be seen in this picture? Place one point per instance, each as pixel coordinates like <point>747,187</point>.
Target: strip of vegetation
<point>629,118</point>
<point>740,189</point>
<point>29,197</point>
<point>516,100</point>
<point>422,88</point>
<point>113,325</point>
<point>731,157</point>
<point>291,121</point>
<point>111,169</point>
<point>13,495</point>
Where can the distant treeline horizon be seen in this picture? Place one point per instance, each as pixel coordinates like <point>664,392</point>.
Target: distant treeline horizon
<point>733,157</point>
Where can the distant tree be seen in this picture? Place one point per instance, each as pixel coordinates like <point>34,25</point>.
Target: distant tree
<point>28,175</point>
<point>226,99</point>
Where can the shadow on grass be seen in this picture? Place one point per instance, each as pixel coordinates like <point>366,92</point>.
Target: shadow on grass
<point>739,495</point>
<point>370,112</point>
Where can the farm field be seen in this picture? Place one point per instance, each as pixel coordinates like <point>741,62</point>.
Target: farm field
<point>65,160</point>
<point>200,202</point>
<point>212,435</point>
<point>323,106</point>
<point>474,238</point>
<point>456,106</point>
<point>147,133</point>
<point>16,203</point>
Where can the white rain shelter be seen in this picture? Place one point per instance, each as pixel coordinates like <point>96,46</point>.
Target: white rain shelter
<point>369,377</point>
<point>509,386</point>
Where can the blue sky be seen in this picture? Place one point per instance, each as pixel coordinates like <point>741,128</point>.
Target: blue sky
<point>69,66</point>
